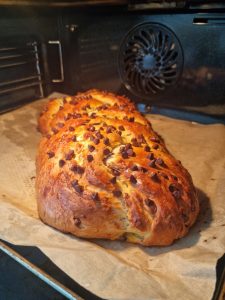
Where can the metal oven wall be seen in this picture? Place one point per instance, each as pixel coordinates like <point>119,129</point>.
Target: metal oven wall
<point>89,41</point>
<point>95,40</point>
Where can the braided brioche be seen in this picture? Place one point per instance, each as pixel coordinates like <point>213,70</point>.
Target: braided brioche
<point>102,172</point>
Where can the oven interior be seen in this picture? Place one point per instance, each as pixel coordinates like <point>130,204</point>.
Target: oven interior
<point>163,56</point>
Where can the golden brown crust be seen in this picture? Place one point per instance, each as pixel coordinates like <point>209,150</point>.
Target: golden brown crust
<point>102,172</point>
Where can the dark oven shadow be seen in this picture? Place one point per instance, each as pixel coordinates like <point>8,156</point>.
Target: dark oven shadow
<point>16,282</point>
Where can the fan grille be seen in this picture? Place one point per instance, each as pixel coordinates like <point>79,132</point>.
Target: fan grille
<point>150,59</point>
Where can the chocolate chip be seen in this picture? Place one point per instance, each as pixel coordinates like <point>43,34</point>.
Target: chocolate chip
<point>153,175</point>
<point>133,179</point>
<point>71,128</point>
<point>78,188</point>
<point>130,152</point>
<point>128,146</point>
<point>154,139</point>
<point>60,125</point>
<point>93,115</point>
<point>91,128</point>
<point>150,156</point>
<point>117,193</point>
<point>141,139</point>
<point>99,135</point>
<point>135,142</point>
<point>96,123</point>
<point>106,151</point>
<point>131,119</point>
<point>96,141</point>
<point>99,107</point>
<point>147,149</point>
<point>175,178</point>
<point>108,129</point>
<point>106,141</point>
<point>119,132</point>
<point>69,155</point>
<point>116,172</point>
<point>68,116</point>
<point>152,206</point>
<point>124,155</point>
<point>176,194</point>
<point>76,116</point>
<point>172,188</point>
<point>80,170</point>
<point>95,196</point>
<point>113,180</point>
<point>122,149</point>
<point>50,154</point>
<point>134,168</point>
<point>77,222</point>
<point>91,148</point>
<point>98,132</point>
<point>142,169</point>
<point>159,161</point>
<point>61,163</point>
<point>77,169</point>
<point>90,158</point>
<point>121,128</point>
<point>74,138</point>
<point>74,182</point>
<point>152,163</point>
<point>185,217</point>
<point>164,175</point>
<point>54,130</point>
<point>155,146</point>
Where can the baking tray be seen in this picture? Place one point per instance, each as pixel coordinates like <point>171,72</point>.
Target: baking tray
<point>23,122</point>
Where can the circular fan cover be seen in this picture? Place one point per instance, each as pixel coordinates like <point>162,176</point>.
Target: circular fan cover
<point>150,59</point>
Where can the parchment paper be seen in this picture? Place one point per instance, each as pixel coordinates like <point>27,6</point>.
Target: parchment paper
<point>111,269</point>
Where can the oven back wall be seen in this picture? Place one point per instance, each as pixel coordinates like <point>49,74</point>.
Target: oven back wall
<point>99,52</point>
<point>173,60</point>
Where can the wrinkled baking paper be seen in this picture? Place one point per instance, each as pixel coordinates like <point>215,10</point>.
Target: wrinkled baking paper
<point>111,269</point>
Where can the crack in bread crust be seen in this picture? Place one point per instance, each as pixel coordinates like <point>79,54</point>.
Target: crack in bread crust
<point>102,172</point>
